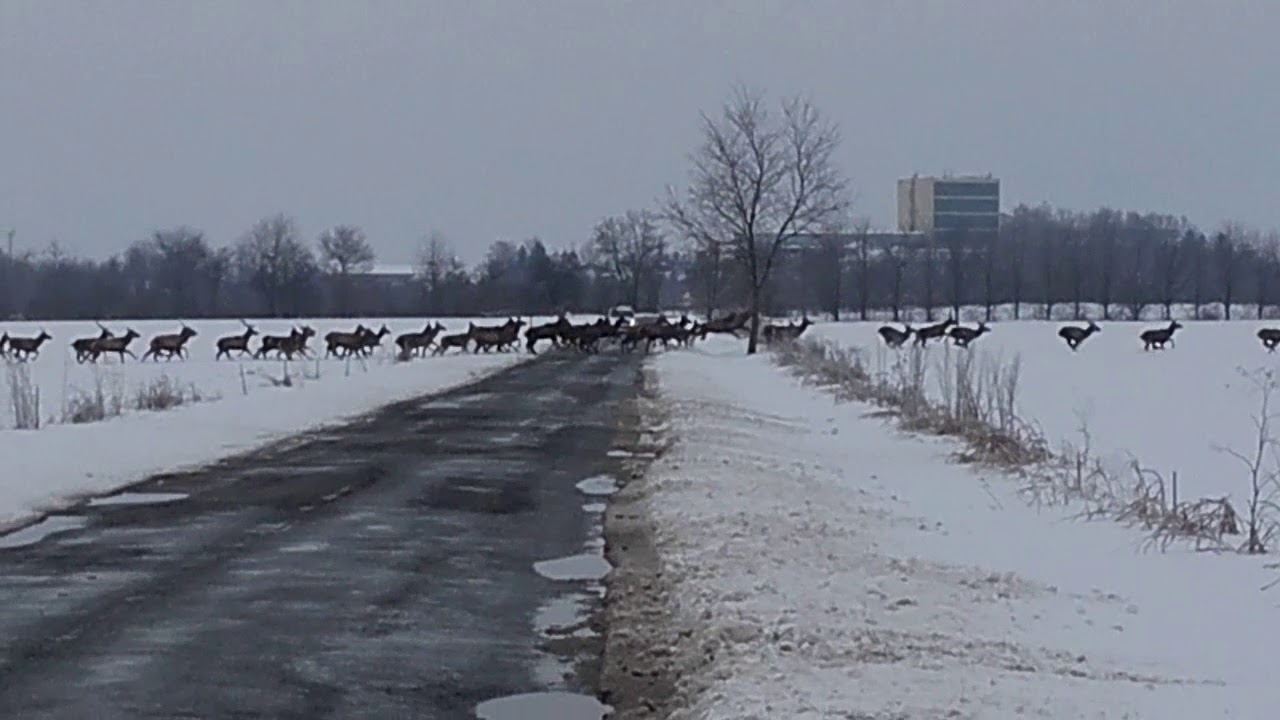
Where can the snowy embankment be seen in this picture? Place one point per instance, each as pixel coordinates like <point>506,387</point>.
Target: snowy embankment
<point>1175,411</point>
<point>241,404</point>
<point>821,564</point>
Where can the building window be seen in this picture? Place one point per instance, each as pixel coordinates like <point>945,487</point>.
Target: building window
<point>967,205</point>
<point>950,188</point>
<point>958,221</point>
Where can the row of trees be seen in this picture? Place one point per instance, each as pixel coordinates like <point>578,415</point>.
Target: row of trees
<point>762,223</point>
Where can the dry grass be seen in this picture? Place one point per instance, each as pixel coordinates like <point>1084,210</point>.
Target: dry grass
<point>104,400</point>
<point>24,397</point>
<point>164,393</point>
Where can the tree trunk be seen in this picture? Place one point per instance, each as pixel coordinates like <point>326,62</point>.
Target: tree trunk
<point>755,318</point>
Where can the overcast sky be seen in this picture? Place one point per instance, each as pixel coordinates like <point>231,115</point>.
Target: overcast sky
<point>490,119</point>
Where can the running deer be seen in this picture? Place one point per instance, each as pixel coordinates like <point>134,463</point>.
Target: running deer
<point>893,337</point>
<point>118,345</point>
<point>934,332</point>
<point>962,336</point>
<point>500,337</point>
<point>83,347</point>
<point>25,348</point>
<point>372,340</point>
<point>547,331</point>
<point>785,333</point>
<point>296,343</point>
<point>170,344</point>
<point>456,340</point>
<point>341,344</point>
<point>412,342</point>
<point>1076,335</point>
<point>235,343</point>
<point>1270,338</point>
<point>1156,339</point>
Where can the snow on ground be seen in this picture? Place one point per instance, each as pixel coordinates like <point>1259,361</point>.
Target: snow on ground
<point>833,567</point>
<point>243,405</point>
<point>1171,410</point>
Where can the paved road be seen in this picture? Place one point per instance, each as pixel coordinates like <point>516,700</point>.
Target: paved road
<point>381,570</point>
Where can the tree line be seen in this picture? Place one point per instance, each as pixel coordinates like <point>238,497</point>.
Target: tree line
<point>762,224</point>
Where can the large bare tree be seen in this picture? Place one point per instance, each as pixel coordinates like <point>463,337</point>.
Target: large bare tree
<point>630,247</point>
<point>345,250</point>
<point>272,259</point>
<point>758,181</point>
<point>436,260</point>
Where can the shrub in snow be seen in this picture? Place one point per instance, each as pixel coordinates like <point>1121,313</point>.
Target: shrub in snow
<point>976,401</point>
<point>24,397</point>
<point>164,393</point>
<point>105,400</point>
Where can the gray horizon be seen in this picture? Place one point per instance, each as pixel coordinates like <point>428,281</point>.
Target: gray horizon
<point>490,120</point>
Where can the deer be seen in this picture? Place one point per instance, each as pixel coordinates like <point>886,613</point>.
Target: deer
<point>456,340</point>
<point>499,337</point>
<point>730,324</point>
<point>785,333</point>
<point>170,344</point>
<point>235,343</point>
<point>411,342</point>
<point>286,345</point>
<point>83,347</point>
<point>547,331</point>
<point>962,336</point>
<point>893,337</point>
<point>934,332</point>
<point>118,344</point>
<point>1075,335</point>
<point>372,340</point>
<point>346,342</point>
<point>1156,339</point>
<point>26,348</point>
<point>296,343</point>
<point>1270,338</point>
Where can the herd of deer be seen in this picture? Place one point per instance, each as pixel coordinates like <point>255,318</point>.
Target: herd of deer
<point>363,341</point>
<point>1073,335</point>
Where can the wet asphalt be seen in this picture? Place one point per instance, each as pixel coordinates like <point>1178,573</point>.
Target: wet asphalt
<point>377,570</point>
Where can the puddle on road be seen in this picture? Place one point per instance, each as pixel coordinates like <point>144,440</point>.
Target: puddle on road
<point>304,547</point>
<point>33,534</point>
<point>561,615</point>
<point>598,485</point>
<point>543,706</point>
<point>585,566</point>
<point>136,498</point>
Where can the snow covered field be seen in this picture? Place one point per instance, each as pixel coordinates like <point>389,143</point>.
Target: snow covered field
<point>243,404</point>
<point>826,565</point>
<point>1171,410</point>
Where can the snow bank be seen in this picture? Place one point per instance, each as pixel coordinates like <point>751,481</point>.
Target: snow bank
<point>831,567</point>
<point>1172,410</point>
<point>244,407</point>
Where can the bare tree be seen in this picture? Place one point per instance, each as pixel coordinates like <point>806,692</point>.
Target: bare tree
<point>758,182</point>
<point>928,272</point>
<point>707,276</point>
<point>896,256</point>
<point>435,260</point>
<point>862,252</point>
<point>1267,249</point>
<point>957,242</point>
<point>1225,256</point>
<point>631,248</point>
<point>827,272</point>
<point>344,250</point>
<point>1174,253</point>
<point>275,262</point>
<point>989,253</point>
<point>1103,227</point>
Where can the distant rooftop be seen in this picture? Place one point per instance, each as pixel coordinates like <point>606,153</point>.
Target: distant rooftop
<point>391,269</point>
